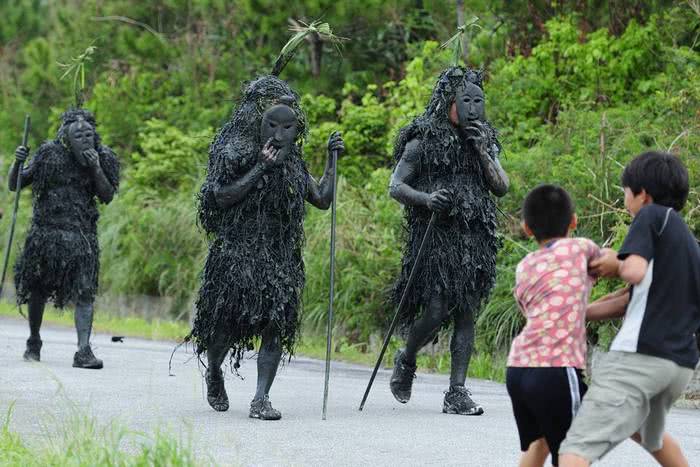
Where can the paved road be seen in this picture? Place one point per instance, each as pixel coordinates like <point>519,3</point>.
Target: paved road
<point>135,389</point>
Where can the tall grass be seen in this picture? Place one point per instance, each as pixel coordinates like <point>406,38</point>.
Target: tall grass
<point>79,440</point>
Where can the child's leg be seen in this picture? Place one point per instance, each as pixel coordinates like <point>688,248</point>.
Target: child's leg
<point>572,460</point>
<point>616,406</point>
<point>651,436</point>
<point>536,455</point>
<point>525,408</point>
<point>670,454</point>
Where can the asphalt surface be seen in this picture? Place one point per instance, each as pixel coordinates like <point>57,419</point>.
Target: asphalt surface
<point>134,389</point>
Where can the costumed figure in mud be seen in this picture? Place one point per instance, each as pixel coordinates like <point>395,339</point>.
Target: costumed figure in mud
<point>60,259</point>
<point>252,206</point>
<point>447,163</point>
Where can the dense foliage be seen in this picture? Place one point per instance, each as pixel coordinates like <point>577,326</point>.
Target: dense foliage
<point>576,88</point>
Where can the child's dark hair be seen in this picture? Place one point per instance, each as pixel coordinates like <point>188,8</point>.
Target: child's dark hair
<point>547,211</point>
<point>663,176</point>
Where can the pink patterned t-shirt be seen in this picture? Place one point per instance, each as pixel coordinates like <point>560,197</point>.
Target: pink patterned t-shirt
<point>552,287</point>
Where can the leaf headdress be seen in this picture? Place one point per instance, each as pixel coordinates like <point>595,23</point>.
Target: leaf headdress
<point>76,67</point>
<point>455,42</point>
<point>302,31</point>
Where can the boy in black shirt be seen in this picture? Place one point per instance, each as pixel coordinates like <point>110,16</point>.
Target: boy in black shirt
<point>655,352</point>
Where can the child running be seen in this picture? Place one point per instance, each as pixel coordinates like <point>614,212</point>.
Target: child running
<point>546,361</point>
<point>653,355</point>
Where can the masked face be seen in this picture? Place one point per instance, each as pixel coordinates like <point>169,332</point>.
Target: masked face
<point>469,103</point>
<point>279,125</point>
<point>81,137</point>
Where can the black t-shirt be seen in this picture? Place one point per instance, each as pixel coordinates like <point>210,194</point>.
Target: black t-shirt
<point>663,315</point>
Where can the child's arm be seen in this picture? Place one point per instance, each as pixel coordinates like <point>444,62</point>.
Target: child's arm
<point>631,270</point>
<point>632,261</point>
<point>610,306</point>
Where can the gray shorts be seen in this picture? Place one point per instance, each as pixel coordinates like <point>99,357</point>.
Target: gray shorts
<point>629,393</point>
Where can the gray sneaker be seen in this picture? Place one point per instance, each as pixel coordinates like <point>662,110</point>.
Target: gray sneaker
<point>84,358</point>
<point>33,352</point>
<point>401,381</point>
<point>458,401</point>
<point>216,392</point>
<point>262,410</point>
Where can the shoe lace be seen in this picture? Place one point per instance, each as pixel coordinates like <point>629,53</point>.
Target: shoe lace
<point>407,369</point>
<point>461,390</point>
<point>266,404</point>
<point>85,352</point>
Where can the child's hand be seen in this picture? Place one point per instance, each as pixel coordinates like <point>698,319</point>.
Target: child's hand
<point>606,265</point>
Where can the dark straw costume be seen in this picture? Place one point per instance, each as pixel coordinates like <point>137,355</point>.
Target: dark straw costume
<point>254,273</point>
<point>461,262</point>
<point>60,260</point>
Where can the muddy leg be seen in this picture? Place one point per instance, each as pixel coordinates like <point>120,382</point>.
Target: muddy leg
<point>84,358</point>
<point>36,305</point>
<point>84,313</point>
<point>425,328</point>
<point>269,358</point>
<point>422,332</point>
<point>461,347</point>
<point>216,353</point>
<point>458,399</point>
<point>268,361</point>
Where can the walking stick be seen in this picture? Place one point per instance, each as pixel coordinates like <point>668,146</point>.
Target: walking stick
<point>395,321</point>
<point>329,329</point>
<point>27,122</point>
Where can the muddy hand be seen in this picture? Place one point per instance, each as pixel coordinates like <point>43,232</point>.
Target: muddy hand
<point>268,155</point>
<point>440,200</point>
<point>21,153</point>
<point>475,133</point>
<point>336,143</point>
<point>92,158</point>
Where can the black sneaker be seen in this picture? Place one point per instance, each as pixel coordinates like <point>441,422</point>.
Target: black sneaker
<point>33,352</point>
<point>458,401</point>
<point>262,409</point>
<point>216,392</point>
<point>402,378</point>
<point>84,358</point>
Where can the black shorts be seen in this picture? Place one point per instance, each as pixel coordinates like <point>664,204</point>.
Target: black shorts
<point>545,401</point>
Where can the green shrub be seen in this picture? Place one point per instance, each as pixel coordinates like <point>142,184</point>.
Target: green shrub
<point>368,258</point>
<point>150,240</point>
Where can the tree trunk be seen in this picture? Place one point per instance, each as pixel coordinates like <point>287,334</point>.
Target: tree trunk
<point>465,38</point>
<point>316,54</point>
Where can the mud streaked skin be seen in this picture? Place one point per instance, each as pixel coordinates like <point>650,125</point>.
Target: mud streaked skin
<point>60,259</point>
<point>448,163</point>
<point>252,206</point>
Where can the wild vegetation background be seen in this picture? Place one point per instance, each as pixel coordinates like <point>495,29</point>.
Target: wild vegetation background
<point>577,88</point>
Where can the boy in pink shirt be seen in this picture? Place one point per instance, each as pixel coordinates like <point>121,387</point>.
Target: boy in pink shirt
<point>546,361</point>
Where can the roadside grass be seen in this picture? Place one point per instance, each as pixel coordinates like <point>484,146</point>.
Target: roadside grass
<point>132,326</point>
<point>79,440</point>
<point>482,366</point>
